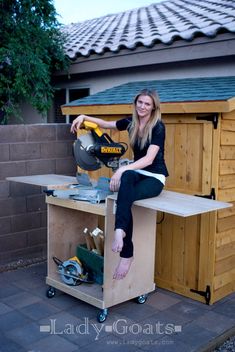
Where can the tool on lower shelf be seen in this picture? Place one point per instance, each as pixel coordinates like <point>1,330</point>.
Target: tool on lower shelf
<point>72,271</point>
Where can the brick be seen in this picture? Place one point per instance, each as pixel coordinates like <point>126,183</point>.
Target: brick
<point>16,168</point>
<point>12,206</point>
<point>39,251</point>
<point>56,150</point>
<point>64,149</point>
<point>12,133</point>
<point>25,222</point>
<point>48,150</point>
<point>4,189</point>
<point>13,241</point>
<point>5,225</point>
<point>4,152</point>
<point>42,132</point>
<point>36,203</point>
<point>37,236</point>
<point>63,132</point>
<point>22,189</point>
<point>66,166</point>
<point>24,151</point>
<point>40,167</point>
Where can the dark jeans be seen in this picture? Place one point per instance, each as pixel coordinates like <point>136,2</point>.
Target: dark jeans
<point>133,186</point>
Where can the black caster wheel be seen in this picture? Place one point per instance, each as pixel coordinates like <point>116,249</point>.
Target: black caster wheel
<point>102,315</point>
<point>50,292</point>
<point>142,299</point>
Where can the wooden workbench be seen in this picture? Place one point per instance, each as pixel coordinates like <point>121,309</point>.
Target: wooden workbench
<point>67,219</point>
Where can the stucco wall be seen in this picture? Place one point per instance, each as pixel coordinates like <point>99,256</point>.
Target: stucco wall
<point>29,150</point>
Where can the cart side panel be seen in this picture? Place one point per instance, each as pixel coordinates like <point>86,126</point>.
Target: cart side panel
<point>140,279</point>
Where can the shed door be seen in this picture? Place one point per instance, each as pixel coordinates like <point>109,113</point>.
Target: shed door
<point>188,154</point>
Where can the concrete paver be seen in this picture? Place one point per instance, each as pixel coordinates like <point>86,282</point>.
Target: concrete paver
<point>167,322</point>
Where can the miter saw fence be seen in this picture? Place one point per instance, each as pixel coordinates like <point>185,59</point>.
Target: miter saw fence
<point>86,190</point>
<point>95,149</point>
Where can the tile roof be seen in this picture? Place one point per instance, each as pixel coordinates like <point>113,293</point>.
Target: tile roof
<point>171,90</point>
<point>163,22</point>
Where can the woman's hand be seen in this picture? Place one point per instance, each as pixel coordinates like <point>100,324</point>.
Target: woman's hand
<point>76,124</point>
<point>115,180</point>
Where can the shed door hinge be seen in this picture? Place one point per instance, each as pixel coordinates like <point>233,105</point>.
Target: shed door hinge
<point>206,294</point>
<point>214,118</point>
<point>212,195</point>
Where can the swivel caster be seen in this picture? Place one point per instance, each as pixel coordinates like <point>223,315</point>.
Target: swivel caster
<point>141,299</point>
<point>50,292</point>
<point>102,315</point>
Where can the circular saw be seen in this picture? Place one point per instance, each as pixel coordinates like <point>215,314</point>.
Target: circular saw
<point>95,149</point>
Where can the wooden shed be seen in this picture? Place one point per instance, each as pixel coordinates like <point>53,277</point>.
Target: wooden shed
<point>195,256</point>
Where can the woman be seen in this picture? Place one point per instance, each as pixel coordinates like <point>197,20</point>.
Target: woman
<point>144,178</point>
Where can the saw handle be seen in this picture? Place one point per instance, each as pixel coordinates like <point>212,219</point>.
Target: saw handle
<point>87,125</point>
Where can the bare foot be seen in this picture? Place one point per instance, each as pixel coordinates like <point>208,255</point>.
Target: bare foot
<point>122,268</point>
<point>117,245</point>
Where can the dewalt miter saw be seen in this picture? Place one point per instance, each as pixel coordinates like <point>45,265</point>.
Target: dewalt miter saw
<point>96,149</point>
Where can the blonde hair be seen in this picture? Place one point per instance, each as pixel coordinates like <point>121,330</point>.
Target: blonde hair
<point>154,118</point>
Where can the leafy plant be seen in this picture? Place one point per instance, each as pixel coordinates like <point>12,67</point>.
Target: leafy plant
<point>31,50</point>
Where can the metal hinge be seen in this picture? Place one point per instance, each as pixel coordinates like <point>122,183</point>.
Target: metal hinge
<point>214,118</point>
<point>212,195</point>
<point>206,294</point>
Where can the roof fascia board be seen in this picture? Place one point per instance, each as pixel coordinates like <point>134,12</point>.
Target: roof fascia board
<point>199,48</point>
<point>166,108</point>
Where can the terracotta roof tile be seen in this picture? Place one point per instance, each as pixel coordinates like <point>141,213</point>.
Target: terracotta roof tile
<point>161,22</point>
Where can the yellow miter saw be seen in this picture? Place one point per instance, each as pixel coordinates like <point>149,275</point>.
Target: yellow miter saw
<point>95,149</point>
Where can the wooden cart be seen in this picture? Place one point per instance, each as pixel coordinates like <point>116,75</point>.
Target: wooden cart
<point>68,218</point>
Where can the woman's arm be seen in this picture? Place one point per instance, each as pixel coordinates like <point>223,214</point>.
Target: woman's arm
<point>138,164</point>
<point>77,123</point>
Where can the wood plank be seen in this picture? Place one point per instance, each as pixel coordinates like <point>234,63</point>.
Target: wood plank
<point>225,251</point>
<point>49,180</point>
<point>227,138</point>
<point>226,237</point>
<point>91,296</point>
<point>180,204</point>
<point>226,181</point>
<point>180,155</point>
<point>177,288</point>
<point>226,223</point>
<point>224,265</point>
<point>227,167</point>
<point>224,279</point>
<point>229,115</point>
<point>228,125</point>
<point>206,250</point>
<point>227,212</point>
<point>194,157</point>
<point>227,152</point>
<point>215,155</point>
<point>227,195</point>
<point>166,247</point>
<point>140,279</point>
<point>191,247</point>
<point>99,209</point>
<point>206,159</point>
<point>224,291</point>
<point>178,250</point>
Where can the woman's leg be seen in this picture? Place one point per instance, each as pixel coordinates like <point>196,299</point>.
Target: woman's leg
<point>134,186</point>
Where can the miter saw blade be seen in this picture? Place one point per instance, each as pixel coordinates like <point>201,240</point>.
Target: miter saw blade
<point>82,153</point>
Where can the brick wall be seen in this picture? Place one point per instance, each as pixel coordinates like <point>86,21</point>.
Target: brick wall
<point>29,150</point>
